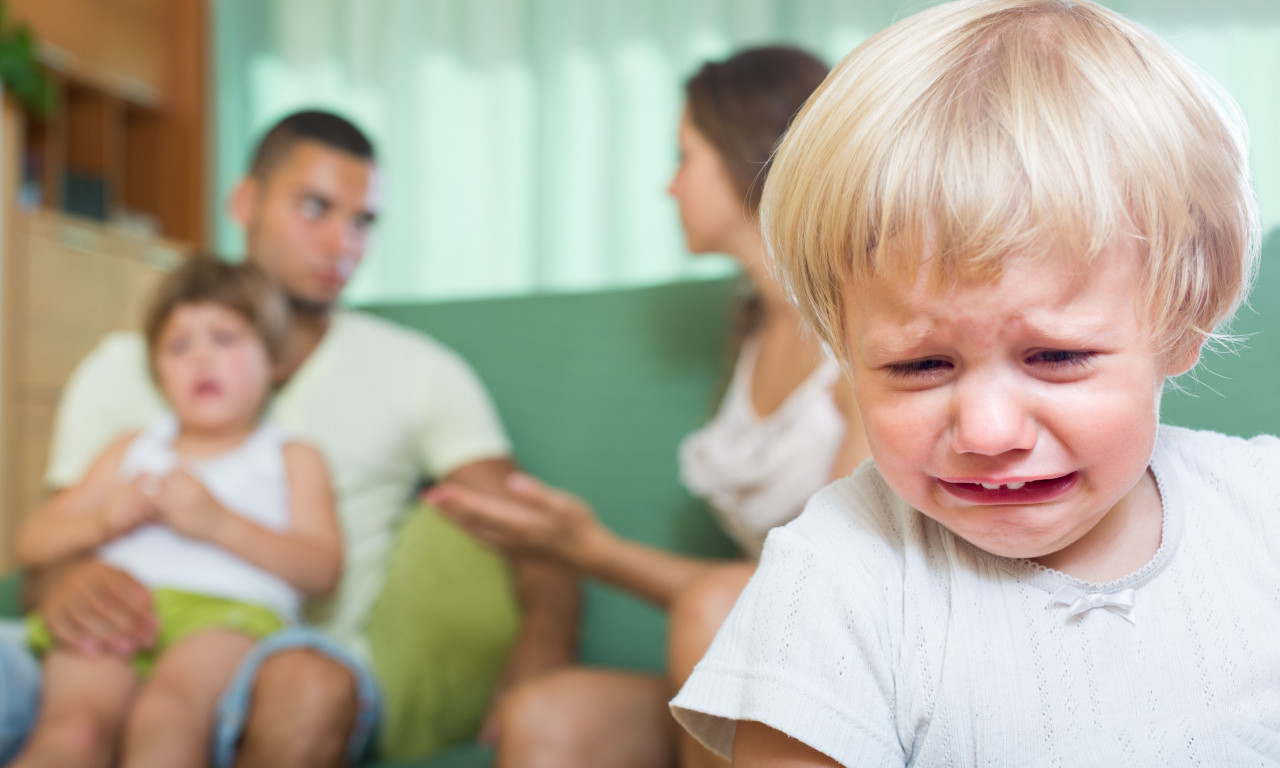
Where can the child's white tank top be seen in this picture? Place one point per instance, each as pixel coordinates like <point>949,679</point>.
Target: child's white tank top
<point>758,473</point>
<point>250,480</point>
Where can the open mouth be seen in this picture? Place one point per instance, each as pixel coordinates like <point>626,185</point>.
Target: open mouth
<point>206,388</point>
<point>1016,492</point>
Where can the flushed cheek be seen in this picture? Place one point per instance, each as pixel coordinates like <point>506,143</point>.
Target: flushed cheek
<point>903,440</point>
<point>1116,465</point>
<point>1108,432</point>
<point>907,421</point>
<point>247,384</point>
<point>257,378</point>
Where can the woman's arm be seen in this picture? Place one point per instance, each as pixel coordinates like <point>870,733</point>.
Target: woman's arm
<point>652,573</point>
<point>92,512</point>
<point>308,555</point>
<point>854,450</point>
<point>536,519</point>
<point>756,745</point>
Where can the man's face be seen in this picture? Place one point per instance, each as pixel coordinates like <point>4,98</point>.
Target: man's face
<point>1018,414</point>
<point>307,224</point>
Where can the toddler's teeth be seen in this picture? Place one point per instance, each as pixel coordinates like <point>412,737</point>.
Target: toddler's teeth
<point>990,486</point>
<point>1015,486</point>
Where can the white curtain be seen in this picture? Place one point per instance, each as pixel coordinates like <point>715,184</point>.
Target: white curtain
<point>527,144</point>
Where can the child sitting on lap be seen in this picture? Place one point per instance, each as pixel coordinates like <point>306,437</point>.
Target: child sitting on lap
<point>222,516</point>
<point>1013,220</point>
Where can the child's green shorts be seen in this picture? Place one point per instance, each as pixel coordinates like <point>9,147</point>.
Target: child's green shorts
<point>180,614</point>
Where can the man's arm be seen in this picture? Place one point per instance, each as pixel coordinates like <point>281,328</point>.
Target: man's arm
<point>93,607</point>
<point>548,595</point>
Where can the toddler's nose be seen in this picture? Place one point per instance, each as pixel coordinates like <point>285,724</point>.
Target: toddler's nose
<point>990,418</point>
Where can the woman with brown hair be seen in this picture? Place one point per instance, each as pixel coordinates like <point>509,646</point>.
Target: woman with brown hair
<point>786,427</point>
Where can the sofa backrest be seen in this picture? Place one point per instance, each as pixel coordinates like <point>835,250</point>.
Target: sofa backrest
<point>596,391</point>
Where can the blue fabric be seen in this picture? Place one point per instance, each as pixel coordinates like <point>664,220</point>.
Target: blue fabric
<point>19,688</point>
<point>234,706</point>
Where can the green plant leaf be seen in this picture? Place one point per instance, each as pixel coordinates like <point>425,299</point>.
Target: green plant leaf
<point>20,71</point>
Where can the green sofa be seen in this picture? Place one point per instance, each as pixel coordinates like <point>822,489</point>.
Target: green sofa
<point>596,390</point>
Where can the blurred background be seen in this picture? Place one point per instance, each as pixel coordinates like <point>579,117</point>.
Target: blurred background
<point>527,144</point>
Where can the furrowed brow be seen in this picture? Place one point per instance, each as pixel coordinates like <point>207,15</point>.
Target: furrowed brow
<point>897,341</point>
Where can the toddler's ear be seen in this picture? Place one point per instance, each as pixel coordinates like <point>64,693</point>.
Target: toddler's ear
<point>1185,354</point>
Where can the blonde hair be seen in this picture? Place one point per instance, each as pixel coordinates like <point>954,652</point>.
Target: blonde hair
<point>242,288</point>
<point>983,130</point>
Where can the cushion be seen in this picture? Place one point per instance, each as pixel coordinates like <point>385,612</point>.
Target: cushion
<point>439,634</point>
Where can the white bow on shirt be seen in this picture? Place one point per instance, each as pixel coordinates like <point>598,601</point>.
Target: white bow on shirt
<point>1079,601</point>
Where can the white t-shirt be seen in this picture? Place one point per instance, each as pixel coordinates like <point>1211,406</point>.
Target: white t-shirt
<point>757,473</point>
<point>385,406</point>
<point>878,638</point>
<point>250,480</point>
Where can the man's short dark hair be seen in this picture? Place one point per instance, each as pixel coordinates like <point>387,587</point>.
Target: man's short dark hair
<point>316,125</point>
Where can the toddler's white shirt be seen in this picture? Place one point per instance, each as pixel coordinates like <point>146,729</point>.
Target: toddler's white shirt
<point>875,636</point>
<point>251,480</point>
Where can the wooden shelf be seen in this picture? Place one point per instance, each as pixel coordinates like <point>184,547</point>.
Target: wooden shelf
<point>142,174</point>
<point>99,157</point>
<point>126,141</point>
<point>120,46</point>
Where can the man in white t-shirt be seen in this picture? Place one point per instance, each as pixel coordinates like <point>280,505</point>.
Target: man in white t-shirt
<point>386,406</point>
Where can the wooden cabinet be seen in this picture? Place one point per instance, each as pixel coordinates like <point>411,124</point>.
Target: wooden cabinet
<point>97,201</point>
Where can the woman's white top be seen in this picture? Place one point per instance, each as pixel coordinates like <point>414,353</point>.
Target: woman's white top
<point>249,480</point>
<point>877,637</point>
<point>757,473</point>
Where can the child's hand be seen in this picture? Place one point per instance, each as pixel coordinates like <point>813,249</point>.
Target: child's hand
<point>186,506</point>
<point>127,507</point>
